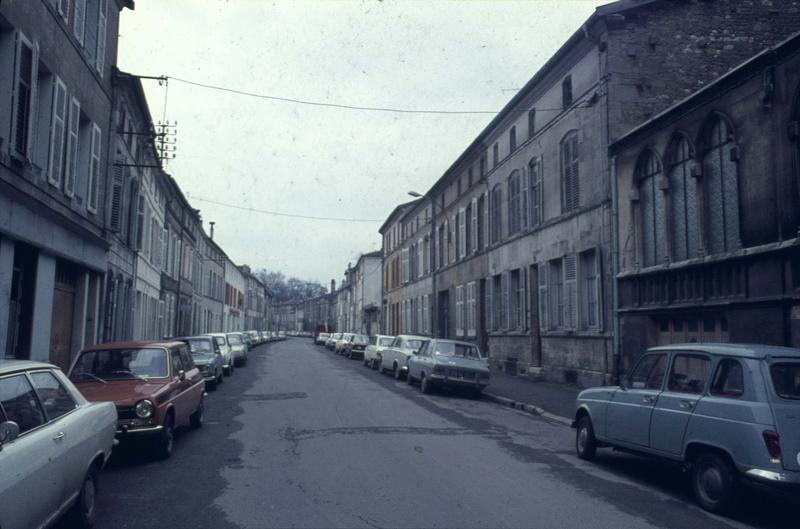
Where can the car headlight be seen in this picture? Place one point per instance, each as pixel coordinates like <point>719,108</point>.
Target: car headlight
<point>144,409</point>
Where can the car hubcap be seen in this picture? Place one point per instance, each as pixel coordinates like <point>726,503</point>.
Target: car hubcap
<point>710,481</point>
<point>88,497</point>
<point>583,434</point>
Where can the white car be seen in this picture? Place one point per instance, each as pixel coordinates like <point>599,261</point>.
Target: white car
<point>238,348</point>
<point>321,338</point>
<point>53,444</point>
<point>395,357</point>
<point>330,343</point>
<point>338,347</point>
<point>377,343</point>
<point>226,352</point>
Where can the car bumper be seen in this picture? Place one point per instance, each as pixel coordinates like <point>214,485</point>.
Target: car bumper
<point>773,477</point>
<point>357,354</point>
<point>459,382</point>
<point>138,431</point>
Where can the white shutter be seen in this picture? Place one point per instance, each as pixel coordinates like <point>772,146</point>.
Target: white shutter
<point>58,119</point>
<point>420,258</point>
<point>33,103</point>
<point>570,292</point>
<point>489,308</point>
<point>462,233</point>
<point>542,273</point>
<point>524,212</point>
<point>474,225</point>
<point>73,131</point>
<point>100,56</point>
<point>115,213</point>
<point>486,217</point>
<point>94,169</point>
<point>79,20</point>
<point>526,317</point>
<point>459,308</point>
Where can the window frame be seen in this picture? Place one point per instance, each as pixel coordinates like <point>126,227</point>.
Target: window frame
<point>41,401</point>
<point>716,372</point>
<point>24,375</point>
<point>692,354</point>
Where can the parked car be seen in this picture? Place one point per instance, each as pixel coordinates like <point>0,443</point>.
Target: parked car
<point>729,412</point>
<point>377,343</point>
<point>321,338</point>
<point>154,385</point>
<point>395,357</point>
<point>354,348</point>
<point>53,444</point>
<point>207,357</point>
<point>440,363</point>
<point>238,348</point>
<point>338,347</point>
<point>330,343</point>
<point>247,340</point>
<point>225,350</point>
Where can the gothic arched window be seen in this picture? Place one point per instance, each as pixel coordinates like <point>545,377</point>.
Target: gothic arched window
<point>721,186</point>
<point>652,209</point>
<point>684,227</point>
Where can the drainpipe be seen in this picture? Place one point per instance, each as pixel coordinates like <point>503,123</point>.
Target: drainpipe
<point>615,268</point>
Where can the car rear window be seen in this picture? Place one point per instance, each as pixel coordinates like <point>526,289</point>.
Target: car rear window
<point>728,380</point>
<point>360,340</point>
<point>457,349</point>
<point>200,346</point>
<point>385,342</point>
<point>786,379</point>
<point>235,339</point>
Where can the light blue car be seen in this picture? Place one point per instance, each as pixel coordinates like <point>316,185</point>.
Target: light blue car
<point>440,363</point>
<point>728,412</point>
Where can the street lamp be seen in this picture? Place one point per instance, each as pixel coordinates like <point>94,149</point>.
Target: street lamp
<point>434,301</point>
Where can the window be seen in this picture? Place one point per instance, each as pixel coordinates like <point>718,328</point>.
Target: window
<point>722,186</point>
<point>94,170</point>
<point>562,291</point>
<point>514,203</point>
<point>100,52</point>
<point>79,20</point>
<point>495,155</point>
<point>460,310</point>
<point>652,208</point>
<point>728,380</point>
<point>556,292</point>
<point>469,177</point>
<point>684,228</point>
<point>531,122</point>
<point>495,216</point>
<point>566,92</point>
<point>535,183</point>
<point>785,379</point>
<point>482,228</point>
<point>58,120</point>
<point>512,139</point>
<point>689,374</point>
<point>570,172</point>
<point>483,169</point>
<point>55,398</point>
<point>177,362</point>
<point>115,196</point>
<point>404,265</point>
<point>517,293</point>
<point>472,231</point>
<point>462,233</point>
<point>18,400</point>
<point>25,75</point>
<point>649,372</point>
<point>590,289</point>
<point>499,300</point>
<point>73,134</point>
<point>471,308</point>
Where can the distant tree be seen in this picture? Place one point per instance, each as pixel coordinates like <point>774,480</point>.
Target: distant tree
<point>289,288</point>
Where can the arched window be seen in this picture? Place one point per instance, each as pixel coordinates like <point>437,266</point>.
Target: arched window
<point>514,203</point>
<point>652,214</point>
<point>570,172</point>
<point>721,186</point>
<point>684,228</point>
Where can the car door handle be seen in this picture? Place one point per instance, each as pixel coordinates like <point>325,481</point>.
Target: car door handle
<point>648,399</point>
<point>59,436</point>
<point>685,404</point>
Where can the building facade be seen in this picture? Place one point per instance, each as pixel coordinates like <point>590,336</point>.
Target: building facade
<point>367,293</point>
<point>394,257</point>
<point>709,213</point>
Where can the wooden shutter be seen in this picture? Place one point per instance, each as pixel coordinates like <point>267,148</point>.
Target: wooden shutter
<point>462,233</point>
<point>486,217</point>
<point>34,103</point>
<point>570,292</point>
<point>474,225</point>
<point>524,214</point>
<point>117,181</point>
<point>58,120</point>
<point>543,308</point>
<point>505,287</point>
<point>94,168</point>
<point>73,132</point>
<point>100,56</point>
<point>79,20</point>
<point>525,310</point>
<point>489,308</point>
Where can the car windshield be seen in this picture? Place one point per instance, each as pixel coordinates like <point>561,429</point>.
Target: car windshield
<point>235,339</point>
<point>385,342</point>
<point>360,339</point>
<point>121,364</point>
<point>220,340</point>
<point>786,379</point>
<point>413,344</point>
<point>457,349</point>
<point>200,346</point>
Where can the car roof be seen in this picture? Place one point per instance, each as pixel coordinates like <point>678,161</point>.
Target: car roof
<point>413,337</point>
<point>195,337</point>
<point>733,349</point>
<point>134,345</point>
<point>13,366</point>
<point>461,342</point>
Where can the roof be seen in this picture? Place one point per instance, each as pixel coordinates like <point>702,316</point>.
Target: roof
<point>132,345</point>
<point>10,366</point>
<point>397,210</point>
<point>733,349</point>
<point>748,67</point>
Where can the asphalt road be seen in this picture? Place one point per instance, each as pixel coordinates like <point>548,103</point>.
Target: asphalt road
<point>303,438</point>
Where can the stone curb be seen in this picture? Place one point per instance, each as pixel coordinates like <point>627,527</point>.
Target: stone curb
<point>528,408</point>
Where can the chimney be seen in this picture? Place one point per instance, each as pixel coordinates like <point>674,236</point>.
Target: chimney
<point>211,223</point>
<point>333,286</point>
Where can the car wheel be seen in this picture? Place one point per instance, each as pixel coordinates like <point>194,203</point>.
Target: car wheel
<point>82,514</point>
<point>166,438</point>
<point>425,385</point>
<point>409,378</point>
<point>714,482</point>
<point>220,378</point>
<point>585,442</point>
<point>212,385</point>
<point>398,374</point>
<point>196,419</point>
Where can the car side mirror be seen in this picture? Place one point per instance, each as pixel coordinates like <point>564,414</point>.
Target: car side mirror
<point>182,375</point>
<point>9,431</point>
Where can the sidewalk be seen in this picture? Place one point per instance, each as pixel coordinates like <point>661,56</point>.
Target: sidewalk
<point>554,401</point>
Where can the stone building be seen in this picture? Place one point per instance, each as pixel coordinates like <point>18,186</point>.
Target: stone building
<point>233,312</point>
<point>209,285</point>
<point>366,298</point>
<point>394,253</point>
<point>56,64</point>
<point>709,212</point>
<point>255,301</point>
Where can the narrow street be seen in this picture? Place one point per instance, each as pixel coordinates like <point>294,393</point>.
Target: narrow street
<point>303,438</point>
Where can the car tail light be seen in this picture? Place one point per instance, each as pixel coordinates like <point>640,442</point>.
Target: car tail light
<point>773,442</point>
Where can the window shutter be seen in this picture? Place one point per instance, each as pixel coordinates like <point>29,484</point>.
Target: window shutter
<point>57,124</point>
<point>543,309</point>
<point>505,314</point>
<point>72,147</point>
<point>486,217</point>
<point>474,224</point>
<point>524,199</point>
<point>100,56</point>
<point>489,306</point>
<point>570,292</point>
<point>79,20</point>
<point>94,168</point>
<point>114,218</point>
<point>462,233</point>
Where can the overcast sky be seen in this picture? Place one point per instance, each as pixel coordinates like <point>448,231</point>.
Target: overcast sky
<point>319,161</point>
